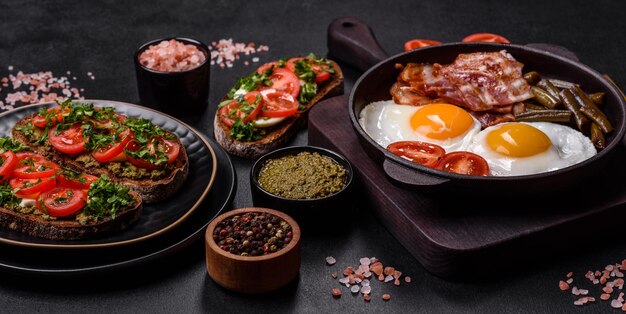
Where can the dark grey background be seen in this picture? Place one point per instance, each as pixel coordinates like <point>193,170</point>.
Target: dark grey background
<point>101,37</point>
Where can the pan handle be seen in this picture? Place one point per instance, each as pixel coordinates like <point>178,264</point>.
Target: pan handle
<point>352,41</point>
<point>412,178</point>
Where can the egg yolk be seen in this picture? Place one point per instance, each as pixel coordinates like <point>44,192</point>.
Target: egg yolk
<point>441,121</point>
<point>518,140</point>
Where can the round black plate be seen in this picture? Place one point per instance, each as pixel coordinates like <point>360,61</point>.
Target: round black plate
<point>30,261</point>
<point>156,218</point>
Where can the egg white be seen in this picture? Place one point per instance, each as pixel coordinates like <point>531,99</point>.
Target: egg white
<point>387,122</point>
<point>569,147</point>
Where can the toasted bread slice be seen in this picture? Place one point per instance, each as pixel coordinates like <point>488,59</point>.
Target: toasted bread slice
<point>280,134</point>
<point>150,190</point>
<point>65,229</point>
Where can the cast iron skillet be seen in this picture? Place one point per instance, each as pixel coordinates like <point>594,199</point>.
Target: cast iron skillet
<point>353,42</point>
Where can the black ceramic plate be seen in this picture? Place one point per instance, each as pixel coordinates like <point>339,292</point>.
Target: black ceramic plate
<point>29,261</point>
<point>156,218</point>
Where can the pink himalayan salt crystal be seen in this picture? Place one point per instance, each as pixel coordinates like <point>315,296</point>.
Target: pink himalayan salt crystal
<point>172,56</point>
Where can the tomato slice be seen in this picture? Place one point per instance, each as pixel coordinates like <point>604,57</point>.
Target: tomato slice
<point>266,67</point>
<point>226,110</point>
<point>291,64</point>
<point>61,202</point>
<point>68,141</point>
<point>321,76</point>
<point>8,161</point>
<point>81,182</point>
<point>425,154</point>
<point>321,73</point>
<point>172,149</point>
<point>134,146</point>
<point>107,153</point>
<point>231,111</point>
<point>30,188</point>
<point>285,80</point>
<point>419,43</point>
<point>32,166</point>
<point>278,104</point>
<point>41,122</point>
<point>464,163</point>
<point>486,37</point>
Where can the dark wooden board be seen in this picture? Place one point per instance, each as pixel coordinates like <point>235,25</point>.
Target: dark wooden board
<point>455,236</point>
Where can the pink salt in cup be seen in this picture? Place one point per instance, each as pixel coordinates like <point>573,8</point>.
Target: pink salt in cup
<point>173,75</point>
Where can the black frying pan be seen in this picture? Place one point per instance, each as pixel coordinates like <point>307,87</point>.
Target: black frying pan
<point>353,42</point>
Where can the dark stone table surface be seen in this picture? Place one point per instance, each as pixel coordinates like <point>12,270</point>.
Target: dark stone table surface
<point>101,37</point>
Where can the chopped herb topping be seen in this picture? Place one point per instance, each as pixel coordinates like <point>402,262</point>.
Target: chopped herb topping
<point>7,198</point>
<point>73,175</point>
<point>245,131</point>
<point>106,198</point>
<point>250,83</point>
<point>7,143</point>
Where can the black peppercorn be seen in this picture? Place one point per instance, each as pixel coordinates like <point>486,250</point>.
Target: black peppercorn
<point>252,234</point>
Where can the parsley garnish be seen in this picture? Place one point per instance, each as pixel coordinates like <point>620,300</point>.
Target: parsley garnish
<point>245,131</point>
<point>106,198</point>
<point>73,175</point>
<point>251,82</point>
<point>7,143</point>
<point>7,198</point>
<point>145,130</point>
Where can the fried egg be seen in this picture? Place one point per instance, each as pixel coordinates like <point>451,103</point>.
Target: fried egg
<point>528,148</point>
<point>446,125</point>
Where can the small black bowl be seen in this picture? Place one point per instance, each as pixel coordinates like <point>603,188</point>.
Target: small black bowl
<point>305,211</point>
<point>181,94</point>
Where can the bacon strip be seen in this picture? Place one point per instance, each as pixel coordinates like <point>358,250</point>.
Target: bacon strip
<point>481,81</point>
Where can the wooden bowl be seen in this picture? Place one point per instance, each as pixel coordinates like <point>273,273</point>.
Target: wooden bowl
<point>253,274</point>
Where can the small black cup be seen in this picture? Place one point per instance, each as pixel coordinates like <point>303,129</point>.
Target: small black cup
<point>184,93</point>
<point>307,212</point>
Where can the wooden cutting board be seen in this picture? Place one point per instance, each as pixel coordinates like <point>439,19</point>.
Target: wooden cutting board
<point>456,237</point>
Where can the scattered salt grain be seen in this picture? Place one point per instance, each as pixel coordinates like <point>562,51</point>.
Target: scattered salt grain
<point>355,277</point>
<point>336,292</point>
<point>616,304</point>
<point>331,260</point>
<point>224,52</point>
<point>10,67</point>
<point>366,289</point>
<point>31,88</point>
<point>365,261</point>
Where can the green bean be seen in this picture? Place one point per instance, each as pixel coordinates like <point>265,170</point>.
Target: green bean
<point>597,98</point>
<point>544,98</point>
<point>570,103</point>
<point>592,111</point>
<point>561,116</point>
<point>532,77</point>
<point>562,84</point>
<point>550,88</point>
<point>597,137</point>
<point>533,106</point>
